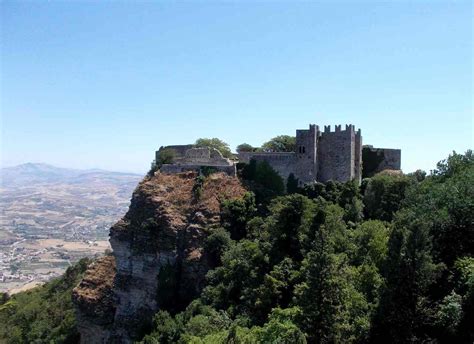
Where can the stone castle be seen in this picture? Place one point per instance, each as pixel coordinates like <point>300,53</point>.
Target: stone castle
<point>320,156</point>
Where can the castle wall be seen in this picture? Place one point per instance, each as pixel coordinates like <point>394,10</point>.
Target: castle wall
<point>336,154</point>
<point>358,157</point>
<point>378,159</point>
<point>319,156</point>
<point>176,168</point>
<point>179,150</point>
<point>306,168</point>
<point>282,162</point>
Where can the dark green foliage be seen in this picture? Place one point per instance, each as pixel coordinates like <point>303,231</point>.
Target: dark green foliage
<point>384,195</point>
<point>453,165</point>
<point>197,187</point>
<point>282,143</point>
<point>371,160</point>
<point>265,182</point>
<point>235,215</point>
<point>403,313</point>
<point>215,245</point>
<point>216,143</point>
<point>291,184</point>
<point>206,171</point>
<point>248,171</point>
<point>333,310</point>
<point>266,176</point>
<point>166,330</point>
<point>232,286</point>
<point>166,156</point>
<point>167,281</point>
<point>44,314</point>
<point>4,297</point>
<point>289,225</point>
<point>245,147</point>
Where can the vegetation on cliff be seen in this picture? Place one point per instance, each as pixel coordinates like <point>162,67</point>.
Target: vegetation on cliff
<point>390,261</point>
<point>44,314</point>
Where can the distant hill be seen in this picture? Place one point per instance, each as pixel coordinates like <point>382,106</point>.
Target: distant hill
<point>39,173</point>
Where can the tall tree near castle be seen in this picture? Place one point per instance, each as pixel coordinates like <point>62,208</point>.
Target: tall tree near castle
<point>282,143</point>
<point>216,143</point>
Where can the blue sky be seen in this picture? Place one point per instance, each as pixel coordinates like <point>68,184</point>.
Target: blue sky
<point>102,85</point>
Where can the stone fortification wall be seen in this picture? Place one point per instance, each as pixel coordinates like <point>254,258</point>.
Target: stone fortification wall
<point>378,159</point>
<point>306,168</point>
<point>358,156</point>
<point>178,150</point>
<point>336,154</point>
<point>205,155</point>
<point>319,156</point>
<point>391,159</point>
<point>175,168</point>
<point>282,162</point>
<point>196,158</point>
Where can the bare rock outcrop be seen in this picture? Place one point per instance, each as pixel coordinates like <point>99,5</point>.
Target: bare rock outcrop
<point>158,256</point>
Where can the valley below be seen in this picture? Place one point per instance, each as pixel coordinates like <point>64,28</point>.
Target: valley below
<point>52,217</point>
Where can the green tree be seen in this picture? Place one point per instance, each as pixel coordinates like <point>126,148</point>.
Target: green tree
<point>266,176</point>
<point>216,244</point>
<point>44,314</point>
<point>282,143</point>
<point>166,156</point>
<point>280,328</point>
<point>232,286</point>
<point>289,226</point>
<point>236,213</point>
<point>384,195</point>
<point>332,310</point>
<point>216,143</point>
<point>291,184</point>
<point>245,147</point>
<point>403,314</point>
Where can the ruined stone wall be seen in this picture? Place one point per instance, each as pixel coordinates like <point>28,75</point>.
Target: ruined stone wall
<point>336,154</point>
<point>378,159</point>
<point>179,150</point>
<point>282,162</point>
<point>177,168</point>
<point>205,155</point>
<point>392,159</point>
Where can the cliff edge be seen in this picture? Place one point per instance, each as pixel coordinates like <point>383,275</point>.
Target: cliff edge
<point>158,260</point>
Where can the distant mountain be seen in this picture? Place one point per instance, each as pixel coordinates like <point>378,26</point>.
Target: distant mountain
<point>39,173</point>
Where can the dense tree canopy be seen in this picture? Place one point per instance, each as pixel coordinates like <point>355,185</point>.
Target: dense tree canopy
<point>44,314</point>
<point>389,261</point>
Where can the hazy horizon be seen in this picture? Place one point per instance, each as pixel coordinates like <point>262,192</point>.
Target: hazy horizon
<point>104,85</point>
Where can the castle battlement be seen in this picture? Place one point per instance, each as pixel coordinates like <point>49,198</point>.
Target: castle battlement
<point>350,128</point>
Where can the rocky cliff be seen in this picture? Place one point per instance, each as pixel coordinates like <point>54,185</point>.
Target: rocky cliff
<point>158,260</point>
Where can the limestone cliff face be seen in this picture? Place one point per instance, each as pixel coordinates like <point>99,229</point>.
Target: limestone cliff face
<point>158,261</point>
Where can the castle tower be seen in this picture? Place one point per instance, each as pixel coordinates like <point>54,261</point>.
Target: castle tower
<point>340,154</point>
<point>306,154</point>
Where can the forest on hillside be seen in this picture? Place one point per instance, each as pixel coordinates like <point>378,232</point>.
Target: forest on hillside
<point>389,261</point>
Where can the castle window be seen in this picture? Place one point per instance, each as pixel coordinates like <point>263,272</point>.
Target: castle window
<point>303,149</point>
